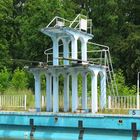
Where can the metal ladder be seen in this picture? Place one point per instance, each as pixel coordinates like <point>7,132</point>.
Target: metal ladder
<point>111,80</point>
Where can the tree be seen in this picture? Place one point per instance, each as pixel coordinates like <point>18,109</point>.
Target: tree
<point>19,79</point>
<point>4,80</point>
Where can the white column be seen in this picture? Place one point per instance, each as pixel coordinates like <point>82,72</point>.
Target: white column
<point>74,92</point>
<point>66,92</point>
<point>74,48</point>
<point>94,96</point>
<point>55,94</point>
<point>84,51</point>
<point>37,91</point>
<point>84,90</point>
<point>55,51</point>
<point>66,50</point>
<point>138,101</point>
<point>48,92</point>
<point>103,91</point>
<point>138,96</point>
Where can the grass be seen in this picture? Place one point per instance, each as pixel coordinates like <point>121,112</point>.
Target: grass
<point>13,91</point>
<point>31,101</point>
<point>113,111</point>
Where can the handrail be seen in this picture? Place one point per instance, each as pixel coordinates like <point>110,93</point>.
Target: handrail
<point>51,21</point>
<point>69,23</point>
<point>56,18</point>
<point>45,52</point>
<point>74,20</point>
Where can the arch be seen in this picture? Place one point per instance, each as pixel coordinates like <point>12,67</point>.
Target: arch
<point>70,50</point>
<point>101,73</point>
<point>79,48</point>
<point>48,51</point>
<point>60,50</point>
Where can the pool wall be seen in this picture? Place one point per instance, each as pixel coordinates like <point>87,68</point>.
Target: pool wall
<point>68,126</point>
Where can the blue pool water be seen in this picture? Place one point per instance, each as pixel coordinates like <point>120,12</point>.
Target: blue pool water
<point>89,134</point>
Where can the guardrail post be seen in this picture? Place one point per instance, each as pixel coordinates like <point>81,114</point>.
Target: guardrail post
<point>109,102</point>
<point>0,102</point>
<point>138,101</point>
<point>25,100</point>
<point>43,101</point>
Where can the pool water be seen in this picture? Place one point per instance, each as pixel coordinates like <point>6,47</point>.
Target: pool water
<point>19,126</point>
<point>91,134</point>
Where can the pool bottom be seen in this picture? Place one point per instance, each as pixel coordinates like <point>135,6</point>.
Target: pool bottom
<point>58,133</point>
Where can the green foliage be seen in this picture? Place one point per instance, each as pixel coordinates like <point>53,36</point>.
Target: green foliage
<point>123,89</point>
<point>19,79</point>
<point>43,82</point>
<point>115,23</point>
<point>4,80</point>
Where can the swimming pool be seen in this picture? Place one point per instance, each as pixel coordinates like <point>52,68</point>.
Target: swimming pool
<point>68,126</point>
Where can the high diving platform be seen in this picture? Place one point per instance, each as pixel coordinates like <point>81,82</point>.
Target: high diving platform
<point>70,36</point>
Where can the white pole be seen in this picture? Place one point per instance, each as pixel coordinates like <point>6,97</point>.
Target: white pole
<point>43,101</point>
<point>25,99</point>
<point>0,102</point>
<point>109,102</point>
<point>138,99</point>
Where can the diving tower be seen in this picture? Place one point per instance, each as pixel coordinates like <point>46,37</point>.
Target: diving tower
<point>69,32</point>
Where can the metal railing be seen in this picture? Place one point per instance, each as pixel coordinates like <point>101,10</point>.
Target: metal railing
<point>58,21</point>
<point>13,101</point>
<point>76,23</point>
<point>123,102</point>
<point>94,57</point>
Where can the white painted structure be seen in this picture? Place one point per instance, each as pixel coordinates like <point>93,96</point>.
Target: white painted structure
<point>69,32</point>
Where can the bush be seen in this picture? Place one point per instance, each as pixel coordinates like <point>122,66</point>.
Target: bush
<point>4,79</point>
<point>123,89</point>
<point>19,79</point>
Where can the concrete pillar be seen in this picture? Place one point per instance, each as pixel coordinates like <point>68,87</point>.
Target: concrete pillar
<point>66,50</point>
<point>55,51</point>
<point>74,92</point>
<point>74,48</point>
<point>37,91</point>
<point>55,94</point>
<point>84,51</point>
<point>94,95</point>
<point>66,93</point>
<point>103,91</point>
<point>84,90</point>
<point>49,92</point>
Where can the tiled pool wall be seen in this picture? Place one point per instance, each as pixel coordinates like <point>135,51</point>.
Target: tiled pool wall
<point>69,126</point>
